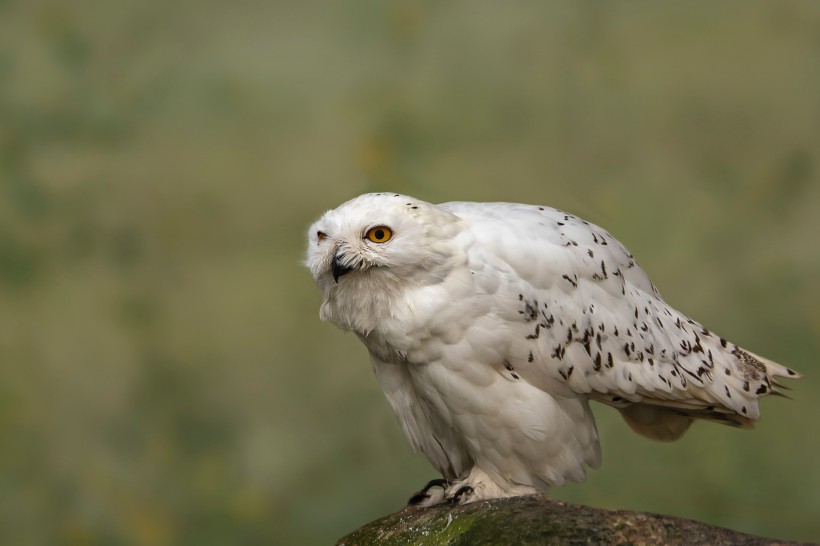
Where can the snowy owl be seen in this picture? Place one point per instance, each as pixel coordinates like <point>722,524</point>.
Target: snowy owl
<point>490,327</point>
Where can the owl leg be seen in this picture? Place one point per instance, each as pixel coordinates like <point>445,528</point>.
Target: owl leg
<point>423,497</point>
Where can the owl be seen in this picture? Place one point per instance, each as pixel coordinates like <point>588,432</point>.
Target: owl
<point>491,327</point>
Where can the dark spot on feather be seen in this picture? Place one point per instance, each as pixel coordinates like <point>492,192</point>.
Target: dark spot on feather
<point>728,394</point>
<point>597,365</point>
<point>530,358</point>
<point>530,311</point>
<point>572,282</point>
<point>761,390</point>
<point>609,362</point>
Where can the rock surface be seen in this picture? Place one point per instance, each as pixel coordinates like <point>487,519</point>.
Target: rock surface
<point>538,520</point>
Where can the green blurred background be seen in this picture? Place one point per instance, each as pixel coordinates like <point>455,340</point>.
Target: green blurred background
<point>165,376</point>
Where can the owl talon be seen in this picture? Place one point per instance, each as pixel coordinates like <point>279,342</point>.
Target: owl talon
<point>462,491</point>
<point>423,495</point>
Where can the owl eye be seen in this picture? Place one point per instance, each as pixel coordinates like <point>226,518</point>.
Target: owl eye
<point>321,236</point>
<point>379,234</point>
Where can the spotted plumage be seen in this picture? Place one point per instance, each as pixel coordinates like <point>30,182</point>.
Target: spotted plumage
<point>492,325</point>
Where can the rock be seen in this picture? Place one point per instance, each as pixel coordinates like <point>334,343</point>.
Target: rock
<point>538,520</point>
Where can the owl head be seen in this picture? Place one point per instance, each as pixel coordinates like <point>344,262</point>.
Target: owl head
<point>372,247</point>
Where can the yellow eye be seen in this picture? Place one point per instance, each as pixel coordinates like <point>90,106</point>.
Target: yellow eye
<point>379,234</point>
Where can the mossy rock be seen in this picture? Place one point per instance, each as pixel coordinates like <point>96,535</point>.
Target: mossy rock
<point>538,520</point>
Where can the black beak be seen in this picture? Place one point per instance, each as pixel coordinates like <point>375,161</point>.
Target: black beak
<point>338,268</point>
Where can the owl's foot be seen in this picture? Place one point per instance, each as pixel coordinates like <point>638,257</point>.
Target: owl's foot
<point>474,487</point>
<point>461,495</point>
<point>439,491</point>
<point>425,498</point>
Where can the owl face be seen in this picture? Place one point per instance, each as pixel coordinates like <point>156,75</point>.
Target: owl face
<point>373,237</point>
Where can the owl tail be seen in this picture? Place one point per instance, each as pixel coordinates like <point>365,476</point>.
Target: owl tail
<point>667,424</point>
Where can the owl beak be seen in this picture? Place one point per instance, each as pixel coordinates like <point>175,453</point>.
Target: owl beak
<point>338,269</point>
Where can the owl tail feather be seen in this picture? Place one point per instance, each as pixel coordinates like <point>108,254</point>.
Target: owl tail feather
<point>656,423</point>
<point>667,424</point>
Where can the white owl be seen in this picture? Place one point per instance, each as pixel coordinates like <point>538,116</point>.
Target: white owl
<point>491,326</point>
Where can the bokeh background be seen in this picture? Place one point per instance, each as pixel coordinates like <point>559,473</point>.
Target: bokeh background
<point>164,376</point>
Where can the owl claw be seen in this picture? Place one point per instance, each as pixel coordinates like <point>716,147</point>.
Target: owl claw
<point>423,495</point>
<point>462,491</point>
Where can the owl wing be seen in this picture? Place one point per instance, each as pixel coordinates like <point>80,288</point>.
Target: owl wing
<point>583,318</point>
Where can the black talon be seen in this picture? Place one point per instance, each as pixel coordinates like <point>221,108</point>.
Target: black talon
<point>464,490</point>
<point>422,495</point>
